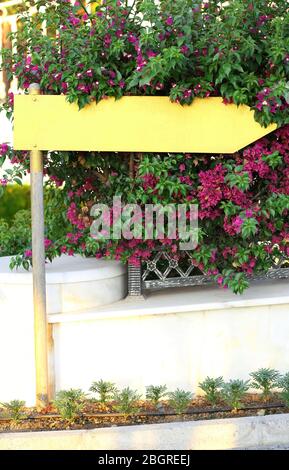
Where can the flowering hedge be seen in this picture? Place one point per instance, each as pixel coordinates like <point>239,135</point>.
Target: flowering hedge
<point>183,49</point>
<point>243,204</point>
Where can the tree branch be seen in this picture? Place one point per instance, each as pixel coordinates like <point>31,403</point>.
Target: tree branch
<point>83,7</point>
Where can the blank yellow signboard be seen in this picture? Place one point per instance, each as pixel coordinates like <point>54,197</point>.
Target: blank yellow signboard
<point>134,124</point>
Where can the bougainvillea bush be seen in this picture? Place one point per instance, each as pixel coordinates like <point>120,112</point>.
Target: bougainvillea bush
<point>238,49</point>
<point>184,49</point>
<point>243,205</point>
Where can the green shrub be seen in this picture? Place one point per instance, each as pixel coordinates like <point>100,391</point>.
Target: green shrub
<point>16,236</point>
<point>126,401</point>
<point>179,400</point>
<point>55,207</point>
<point>15,409</point>
<point>15,233</point>
<point>183,49</point>
<point>284,385</point>
<point>265,380</point>
<point>14,199</point>
<point>156,393</point>
<point>234,391</point>
<point>236,49</point>
<point>212,388</point>
<point>69,403</point>
<point>105,390</point>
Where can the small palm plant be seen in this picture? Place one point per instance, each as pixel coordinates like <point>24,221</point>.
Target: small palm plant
<point>234,391</point>
<point>105,390</point>
<point>15,409</point>
<point>265,380</point>
<point>126,401</point>
<point>284,385</point>
<point>155,393</point>
<point>212,388</point>
<point>70,403</point>
<point>179,400</point>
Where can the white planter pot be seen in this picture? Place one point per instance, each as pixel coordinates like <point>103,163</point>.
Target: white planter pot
<point>73,283</point>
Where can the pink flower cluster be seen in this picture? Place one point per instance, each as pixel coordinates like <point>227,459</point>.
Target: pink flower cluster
<point>265,100</point>
<point>211,189</point>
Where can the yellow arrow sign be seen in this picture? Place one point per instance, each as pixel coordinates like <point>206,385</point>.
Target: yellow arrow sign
<point>134,124</point>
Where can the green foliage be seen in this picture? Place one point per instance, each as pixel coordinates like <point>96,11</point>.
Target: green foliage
<point>212,388</point>
<point>156,393</point>
<point>249,227</point>
<point>184,49</point>
<point>15,409</point>
<point>14,199</point>
<point>15,234</point>
<point>238,180</point>
<point>234,391</point>
<point>69,403</point>
<point>55,208</point>
<point>283,384</point>
<point>265,379</point>
<point>181,48</point>
<point>273,160</point>
<point>12,176</point>
<point>236,281</point>
<point>126,401</point>
<point>105,390</point>
<point>15,237</point>
<point>179,400</point>
<point>276,204</point>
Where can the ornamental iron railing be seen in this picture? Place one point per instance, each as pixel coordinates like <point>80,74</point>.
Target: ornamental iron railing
<point>164,270</point>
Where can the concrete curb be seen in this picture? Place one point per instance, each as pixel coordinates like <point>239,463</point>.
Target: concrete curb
<point>230,433</point>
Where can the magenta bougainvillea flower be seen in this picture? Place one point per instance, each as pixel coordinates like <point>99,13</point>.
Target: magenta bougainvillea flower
<point>161,48</point>
<point>181,50</point>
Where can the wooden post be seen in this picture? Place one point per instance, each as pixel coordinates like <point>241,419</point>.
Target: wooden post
<point>38,262</point>
<point>51,364</point>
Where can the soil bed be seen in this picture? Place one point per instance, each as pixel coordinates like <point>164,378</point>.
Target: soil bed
<point>96,415</point>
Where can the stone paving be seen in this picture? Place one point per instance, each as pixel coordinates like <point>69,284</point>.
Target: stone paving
<point>277,447</point>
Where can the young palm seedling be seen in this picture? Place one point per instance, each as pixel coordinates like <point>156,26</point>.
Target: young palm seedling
<point>126,401</point>
<point>234,391</point>
<point>284,385</point>
<point>15,409</point>
<point>69,403</point>
<point>179,400</point>
<point>155,393</point>
<point>265,380</point>
<point>212,388</point>
<point>105,390</point>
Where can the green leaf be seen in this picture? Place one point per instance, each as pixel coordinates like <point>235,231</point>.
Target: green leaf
<point>249,227</point>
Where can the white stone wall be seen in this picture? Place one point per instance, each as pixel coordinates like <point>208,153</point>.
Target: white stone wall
<point>178,349</point>
<point>16,351</point>
<point>74,284</point>
<point>173,337</point>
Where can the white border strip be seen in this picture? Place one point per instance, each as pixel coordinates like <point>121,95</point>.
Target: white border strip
<point>217,434</point>
<point>136,308</point>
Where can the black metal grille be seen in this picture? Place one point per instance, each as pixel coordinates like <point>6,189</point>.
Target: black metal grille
<point>164,270</point>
